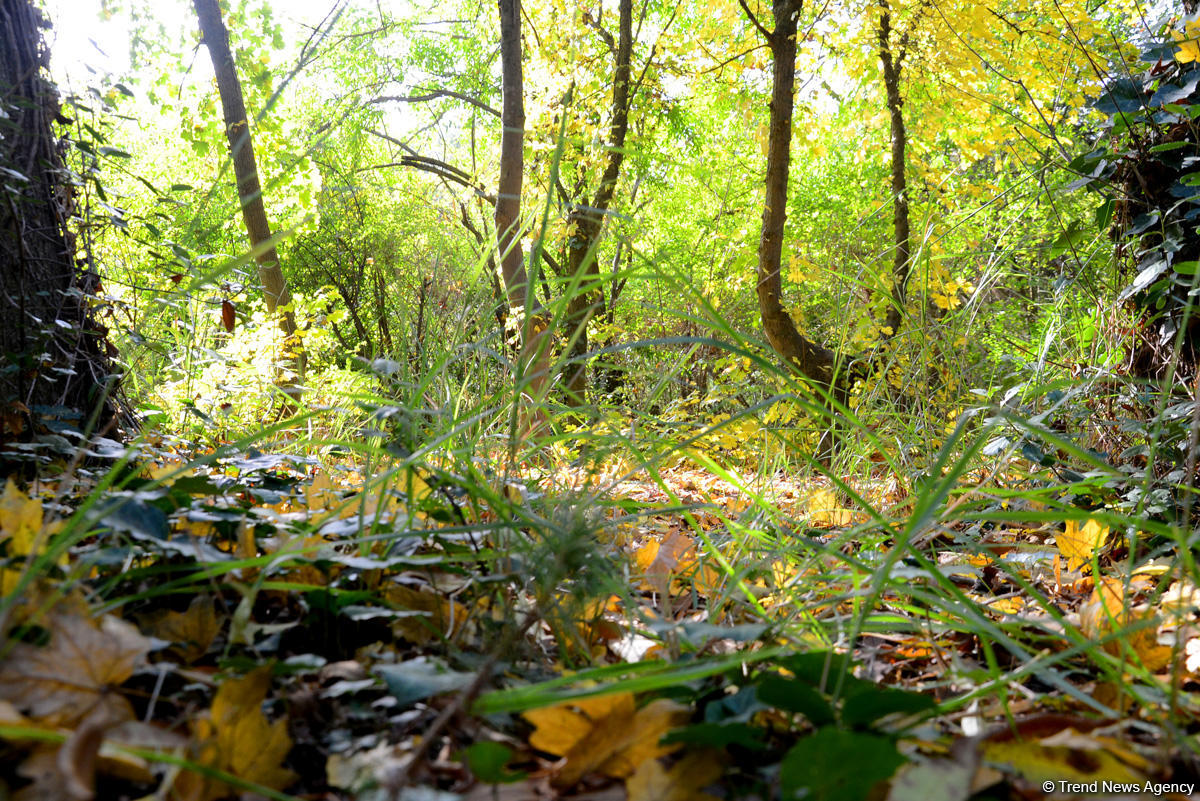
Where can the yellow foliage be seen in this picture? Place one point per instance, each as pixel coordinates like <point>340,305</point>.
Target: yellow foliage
<point>21,531</point>
<point>1189,43</point>
<point>1109,611</point>
<point>235,737</point>
<point>1078,542</point>
<point>606,734</point>
<point>683,781</point>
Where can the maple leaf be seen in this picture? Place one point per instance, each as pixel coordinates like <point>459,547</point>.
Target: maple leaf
<point>191,632</point>
<point>1078,542</point>
<point>236,737</point>
<point>606,734</point>
<point>77,672</point>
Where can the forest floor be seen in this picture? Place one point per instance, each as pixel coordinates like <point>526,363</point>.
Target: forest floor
<point>260,625</point>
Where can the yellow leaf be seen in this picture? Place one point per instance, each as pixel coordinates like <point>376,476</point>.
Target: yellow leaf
<point>1107,612</point>
<point>21,527</point>
<point>650,724</point>
<point>1066,756</point>
<point>191,632</point>
<point>236,737</point>
<point>320,493</point>
<point>1077,543</point>
<point>604,734</point>
<point>1189,50</point>
<point>682,782</point>
<point>76,673</point>
<point>823,509</point>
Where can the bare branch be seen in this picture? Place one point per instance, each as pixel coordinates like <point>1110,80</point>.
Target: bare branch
<point>434,95</point>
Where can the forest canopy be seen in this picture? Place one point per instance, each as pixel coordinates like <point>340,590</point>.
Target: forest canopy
<point>614,399</point>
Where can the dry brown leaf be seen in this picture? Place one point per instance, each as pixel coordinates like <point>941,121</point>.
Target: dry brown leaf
<point>236,737</point>
<point>76,673</point>
<point>435,615</point>
<point>190,632</point>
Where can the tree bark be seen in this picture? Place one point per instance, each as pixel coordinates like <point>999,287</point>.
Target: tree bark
<point>512,156</point>
<point>588,220</point>
<point>53,355</point>
<point>893,67</point>
<point>810,359</point>
<point>533,363</point>
<point>245,167</point>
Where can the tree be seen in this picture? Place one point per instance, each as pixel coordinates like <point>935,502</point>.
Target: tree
<point>891,56</point>
<point>245,167</point>
<point>810,359</point>
<point>53,352</point>
<point>586,218</point>
<point>533,364</point>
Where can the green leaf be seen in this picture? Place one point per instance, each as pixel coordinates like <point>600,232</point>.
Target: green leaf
<point>718,735</point>
<point>876,703</point>
<point>793,695</point>
<point>487,760</point>
<point>835,765</point>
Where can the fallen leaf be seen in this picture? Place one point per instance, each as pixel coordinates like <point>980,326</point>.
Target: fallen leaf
<point>606,734</point>
<point>824,510</point>
<point>435,616</point>
<point>683,781</point>
<point>235,737</point>
<point>77,672</point>
<point>21,532</point>
<point>190,632</point>
<point>1107,611</point>
<point>1077,543</point>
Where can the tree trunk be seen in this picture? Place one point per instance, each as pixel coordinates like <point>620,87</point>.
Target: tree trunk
<point>588,220</point>
<point>245,167</point>
<point>53,362</point>
<point>810,359</point>
<point>533,363</point>
<point>893,66</point>
<point>512,156</point>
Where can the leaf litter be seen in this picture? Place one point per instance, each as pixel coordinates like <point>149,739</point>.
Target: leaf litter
<point>276,627</point>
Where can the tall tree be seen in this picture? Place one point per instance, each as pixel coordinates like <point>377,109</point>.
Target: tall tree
<point>53,355</point>
<point>891,56</point>
<point>586,218</point>
<point>534,361</point>
<point>245,167</point>
<point>810,359</point>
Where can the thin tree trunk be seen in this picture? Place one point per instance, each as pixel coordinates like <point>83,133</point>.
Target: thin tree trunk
<point>512,156</point>
<point>589,220</point>
<point>893,67</point>
<point>245,167</point>
<point>533,363</point>
<point>810,359</point>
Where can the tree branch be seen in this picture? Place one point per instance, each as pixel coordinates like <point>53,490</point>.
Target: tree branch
<point>434,95</point>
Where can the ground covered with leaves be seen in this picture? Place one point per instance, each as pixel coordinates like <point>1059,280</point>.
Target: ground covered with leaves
<point>243,624</point>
